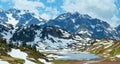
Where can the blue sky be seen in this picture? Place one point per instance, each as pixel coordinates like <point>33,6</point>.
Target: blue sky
<point>107,10</point>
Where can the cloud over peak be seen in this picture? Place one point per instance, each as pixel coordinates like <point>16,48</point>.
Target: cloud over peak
<point>28,5</point>
<point>105,10</point>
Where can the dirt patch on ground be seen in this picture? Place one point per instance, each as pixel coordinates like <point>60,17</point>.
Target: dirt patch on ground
<point>67,62</point>
<point>108,61</point>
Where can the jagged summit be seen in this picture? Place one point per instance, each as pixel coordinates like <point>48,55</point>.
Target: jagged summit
<point>20,17</point>
<point>77,23</point>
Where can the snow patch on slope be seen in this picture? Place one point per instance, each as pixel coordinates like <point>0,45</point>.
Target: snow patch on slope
<point>53,43</point>
<point>118,56</point>
<point>73,20</point>
<point>3,62</point>
<point>45,62</point>
<point>19,54</point>
<point>12,20</point>
<point>7,36</point>
<point>65,34</point>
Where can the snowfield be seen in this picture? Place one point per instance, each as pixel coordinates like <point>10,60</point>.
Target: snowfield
<point>12,20</point>
<point>19,54</point>
<point>3,62</point>
<point>22,55</point>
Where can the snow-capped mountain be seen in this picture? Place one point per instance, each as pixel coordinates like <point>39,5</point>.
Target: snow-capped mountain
<point>20,17</point>
<point>77,23</point>
<point>118,29</point>
<point>68,30</point>
<point>49,37</point>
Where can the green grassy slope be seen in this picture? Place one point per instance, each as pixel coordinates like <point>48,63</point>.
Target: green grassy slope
<point>105,48</point>
<point>32,53</point>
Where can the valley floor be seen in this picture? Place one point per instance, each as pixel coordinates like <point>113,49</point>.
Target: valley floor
<point>53,55</point>
<point>28,55</point>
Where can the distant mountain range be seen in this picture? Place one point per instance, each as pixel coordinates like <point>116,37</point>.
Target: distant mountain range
<point>65,31</point>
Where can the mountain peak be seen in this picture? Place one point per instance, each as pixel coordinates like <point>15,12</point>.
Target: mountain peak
<point>18,17</point>
<point>72,15</point>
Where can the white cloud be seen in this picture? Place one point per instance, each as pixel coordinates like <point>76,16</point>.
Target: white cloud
<point>45,16</point>
<point>28,5</point>
<point>37,7</point>
<point>105,10</point>
<point>50,13</point>
<point>114,21</point>
<point>50,1</point>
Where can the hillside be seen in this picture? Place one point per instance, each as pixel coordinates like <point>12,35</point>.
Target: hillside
<point>10,54</point>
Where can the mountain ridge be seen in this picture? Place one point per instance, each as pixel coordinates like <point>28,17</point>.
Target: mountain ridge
<point>66,30</point>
